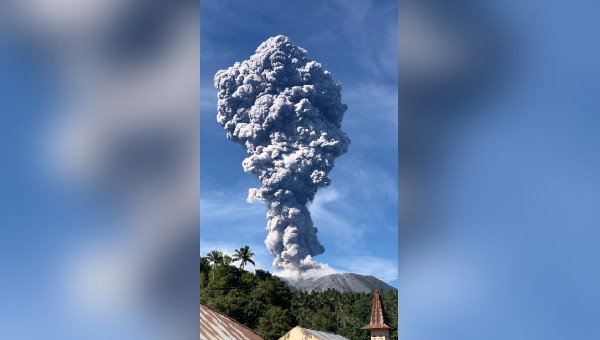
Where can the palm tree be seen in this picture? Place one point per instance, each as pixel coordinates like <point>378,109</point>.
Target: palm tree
<point>244,255</point>
<point>214,257</point>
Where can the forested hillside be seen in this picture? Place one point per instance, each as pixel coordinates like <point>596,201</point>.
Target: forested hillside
<point>266,304</point>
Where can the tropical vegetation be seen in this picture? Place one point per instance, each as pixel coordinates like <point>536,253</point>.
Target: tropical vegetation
<point>264,303</point>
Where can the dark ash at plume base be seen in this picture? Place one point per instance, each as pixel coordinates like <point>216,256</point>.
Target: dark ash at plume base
<point>287,111</point>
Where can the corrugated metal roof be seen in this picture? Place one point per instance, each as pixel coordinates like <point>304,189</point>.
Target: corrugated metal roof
<point>324,335</point>
<point>299,333</point>
<point>216,326</point>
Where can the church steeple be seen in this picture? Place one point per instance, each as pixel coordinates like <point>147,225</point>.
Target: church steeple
<point>378,326</point>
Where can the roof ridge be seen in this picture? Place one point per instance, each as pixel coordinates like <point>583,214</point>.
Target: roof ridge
<point>316,330</point>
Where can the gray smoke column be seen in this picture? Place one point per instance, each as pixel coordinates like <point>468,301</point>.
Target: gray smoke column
<point>287,111</point>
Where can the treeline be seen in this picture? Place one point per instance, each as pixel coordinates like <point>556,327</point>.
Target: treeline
<point>264,303</point>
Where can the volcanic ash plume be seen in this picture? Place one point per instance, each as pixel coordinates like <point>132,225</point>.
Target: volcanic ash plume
<point>287,111</point>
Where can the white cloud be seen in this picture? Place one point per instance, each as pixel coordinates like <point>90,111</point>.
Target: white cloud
<point>326,211</point>
<point>383,268</point>
<point>381,101</point>
<point>363,198</point>
<point>228,206</point>
<point>322,270</point>
<point>375,183</point>
<point>371,49</point>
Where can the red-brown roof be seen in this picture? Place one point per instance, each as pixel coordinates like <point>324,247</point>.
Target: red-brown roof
<point>217,326</point>
<point>378,320</point>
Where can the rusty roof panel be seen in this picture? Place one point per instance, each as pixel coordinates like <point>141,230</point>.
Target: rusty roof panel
<point>216,326</point>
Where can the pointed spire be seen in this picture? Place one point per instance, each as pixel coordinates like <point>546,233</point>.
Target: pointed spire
<point>378,320</point>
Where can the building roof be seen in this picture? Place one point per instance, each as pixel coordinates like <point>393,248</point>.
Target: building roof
<point>216,326</point>
<point>378,320</point>
<point>299,333</point>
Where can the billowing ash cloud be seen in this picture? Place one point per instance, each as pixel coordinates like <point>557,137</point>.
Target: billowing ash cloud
<point>287,111</point>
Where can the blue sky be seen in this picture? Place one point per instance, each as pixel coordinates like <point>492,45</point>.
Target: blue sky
<point>357,214</point>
